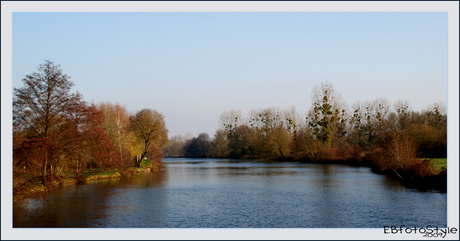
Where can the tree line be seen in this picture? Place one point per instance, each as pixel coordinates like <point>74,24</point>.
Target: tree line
<point>389,137</point>
<point>57,135</point>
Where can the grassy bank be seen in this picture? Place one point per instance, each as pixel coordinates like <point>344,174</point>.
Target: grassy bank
<point>438,164</point>
<point>95,174</point>
<point>426,174</point>
<point>35,189</point>
<point>146,166</point>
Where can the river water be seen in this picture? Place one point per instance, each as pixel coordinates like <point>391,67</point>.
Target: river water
<point>222,193</point>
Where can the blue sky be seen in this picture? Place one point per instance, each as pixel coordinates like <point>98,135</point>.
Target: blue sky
<point>193,66</point>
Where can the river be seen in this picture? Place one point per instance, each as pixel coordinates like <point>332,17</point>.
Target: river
<point>223,193</point>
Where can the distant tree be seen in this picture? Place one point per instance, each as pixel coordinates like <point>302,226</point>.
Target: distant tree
<point>238,134</point>
<point>150,129</point>
<point>230,120</point>
<point>197,147</point>
<point>174,147</point>
<point>219,145</point>
<point>304,146</point>
<point>369,123</point>
<point>273,136</point>
<point>243,142</point>
<point>293,121</point>
<point>327,117</point>
<point>403,111</point>
<point>357,124</point>
<point>436,115</point>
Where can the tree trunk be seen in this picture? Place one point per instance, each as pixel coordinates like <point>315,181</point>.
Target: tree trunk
<point>45,163</point>
<point>142,158</point>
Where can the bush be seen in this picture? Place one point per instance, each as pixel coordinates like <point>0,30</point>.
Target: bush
<point>429,141</point>
<point>398,154</point>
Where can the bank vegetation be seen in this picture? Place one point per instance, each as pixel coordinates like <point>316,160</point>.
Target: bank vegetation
<point>392,139</point>
<point>60,139</point>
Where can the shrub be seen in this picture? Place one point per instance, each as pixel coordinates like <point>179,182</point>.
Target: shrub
<point>355,153</point>
<point>428,140</point>
<point>398,154</point>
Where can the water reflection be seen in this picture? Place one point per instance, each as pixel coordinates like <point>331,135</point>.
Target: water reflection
<point>239,194</point>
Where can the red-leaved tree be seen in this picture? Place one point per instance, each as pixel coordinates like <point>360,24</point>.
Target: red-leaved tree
<point>54,131</point>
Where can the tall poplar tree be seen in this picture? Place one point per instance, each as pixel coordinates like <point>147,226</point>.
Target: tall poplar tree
<point>327,118</point>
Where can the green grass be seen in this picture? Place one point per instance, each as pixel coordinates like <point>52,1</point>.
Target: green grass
<point>146,163</point>
<point>439,164</point>
<point>99,172</point>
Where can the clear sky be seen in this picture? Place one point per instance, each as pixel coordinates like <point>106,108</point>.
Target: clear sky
<point>193,66</point>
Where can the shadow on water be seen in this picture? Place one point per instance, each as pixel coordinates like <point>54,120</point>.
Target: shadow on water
<point>87,205</point>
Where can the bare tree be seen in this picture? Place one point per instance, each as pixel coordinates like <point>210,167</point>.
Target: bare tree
<point>436,115</point>
<point>370,122</point>
<point>230,120</point>
<point>293,121</point>
<point>403,111</point>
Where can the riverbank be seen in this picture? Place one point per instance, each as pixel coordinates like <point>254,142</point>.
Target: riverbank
<point>37,191</point>
<point>433,176</point>
<point>98,174</point>
<point>427,174</point>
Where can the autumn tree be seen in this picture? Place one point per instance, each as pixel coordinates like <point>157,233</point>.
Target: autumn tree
<point>116,124</point>
<point>429,131</point>
<point>428,140</point>
<point>53,130</point>
<point>398,154</point>
<point>238,134</point>
<point>88,143</point>
<point>273,133</point>
<point>150,128</point>
<point>41,108</point>
<point>219,145</point>
<point>243,142</point>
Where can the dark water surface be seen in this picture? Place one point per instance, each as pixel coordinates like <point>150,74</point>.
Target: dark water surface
<point>221,193</point>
